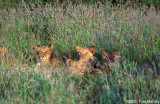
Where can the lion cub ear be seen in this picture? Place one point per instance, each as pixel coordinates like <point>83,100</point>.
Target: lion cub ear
<point>115,52</point>
<point>69,62</point>
<point>38,47</point>
<point>92,49</point>
<point>104,53</point>
<point>51,46</point>
<point>78,48</point>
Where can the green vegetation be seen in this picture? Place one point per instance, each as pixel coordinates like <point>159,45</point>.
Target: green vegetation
<point>155,3</point>
<point>134,32</point>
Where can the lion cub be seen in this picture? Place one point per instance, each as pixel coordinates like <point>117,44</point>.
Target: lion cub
<point>85,62</point>
<point>3,52</point>
<point>109,60</point>
<point>47,60</point>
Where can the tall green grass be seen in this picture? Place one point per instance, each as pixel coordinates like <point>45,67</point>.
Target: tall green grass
<point>134,32</point>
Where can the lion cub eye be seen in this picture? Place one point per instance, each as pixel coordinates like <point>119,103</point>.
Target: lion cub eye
<point>80,53</point>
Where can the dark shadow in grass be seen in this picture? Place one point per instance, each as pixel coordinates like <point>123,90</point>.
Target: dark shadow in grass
<point>97,56</point>
<point>68,55</point>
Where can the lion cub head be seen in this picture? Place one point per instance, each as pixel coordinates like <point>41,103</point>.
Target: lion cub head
<point>44,52</point>
<point>110,58</point>
<point>85,60</point>
<point>85,53</point>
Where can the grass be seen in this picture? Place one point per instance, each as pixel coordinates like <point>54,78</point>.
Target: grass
<point>134,32</point>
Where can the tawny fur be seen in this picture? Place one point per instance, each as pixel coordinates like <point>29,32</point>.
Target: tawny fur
<point>109,61</point>
<point>86,60</point>
<point>3,52</point>
<point>47,60</point>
